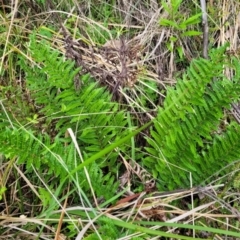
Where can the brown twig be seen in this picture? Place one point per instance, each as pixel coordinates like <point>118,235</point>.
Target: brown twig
<point>236,111</point>
<point>58,232</point>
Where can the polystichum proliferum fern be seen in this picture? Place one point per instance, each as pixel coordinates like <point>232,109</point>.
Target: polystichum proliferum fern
<point>187,136</point>
<point>43,142</point>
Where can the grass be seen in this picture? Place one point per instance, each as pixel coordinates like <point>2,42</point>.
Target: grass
<point>36,206</point>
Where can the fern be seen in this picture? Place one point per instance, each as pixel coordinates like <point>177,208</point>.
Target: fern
<point>29,149</point>
<point>223,149</point>
<point>96,120</point>
<point>106,229</point>
<point>185,130</point>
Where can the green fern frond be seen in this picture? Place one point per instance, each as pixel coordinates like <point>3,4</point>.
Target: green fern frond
<point>225,148</point>
<point>32,150</point>
<point>60,72</point>
<point>96,120</point>
<point>191,114</point>
<point>105,185</point>
<point>106,229</point>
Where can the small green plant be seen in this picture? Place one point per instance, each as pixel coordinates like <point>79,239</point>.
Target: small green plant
<point>179,25</point>
<point>177,21</point>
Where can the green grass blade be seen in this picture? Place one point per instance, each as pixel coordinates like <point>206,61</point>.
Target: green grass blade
<point>109,148</point>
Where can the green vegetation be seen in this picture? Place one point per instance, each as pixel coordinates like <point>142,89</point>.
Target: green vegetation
<point>188,124</point>
<point>113,126</point>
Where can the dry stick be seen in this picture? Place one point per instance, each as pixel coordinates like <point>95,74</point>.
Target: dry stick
<point>236,111</point>
<point>58,232</point>
<point>205,28</point>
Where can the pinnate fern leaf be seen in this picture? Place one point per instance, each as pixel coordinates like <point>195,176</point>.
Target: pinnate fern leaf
<point>189,119</point>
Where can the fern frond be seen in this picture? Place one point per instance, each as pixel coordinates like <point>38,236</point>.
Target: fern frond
<point>225,148</point>
<point>32,150</point>
<point>191,114</point>
<point>89,111</point>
